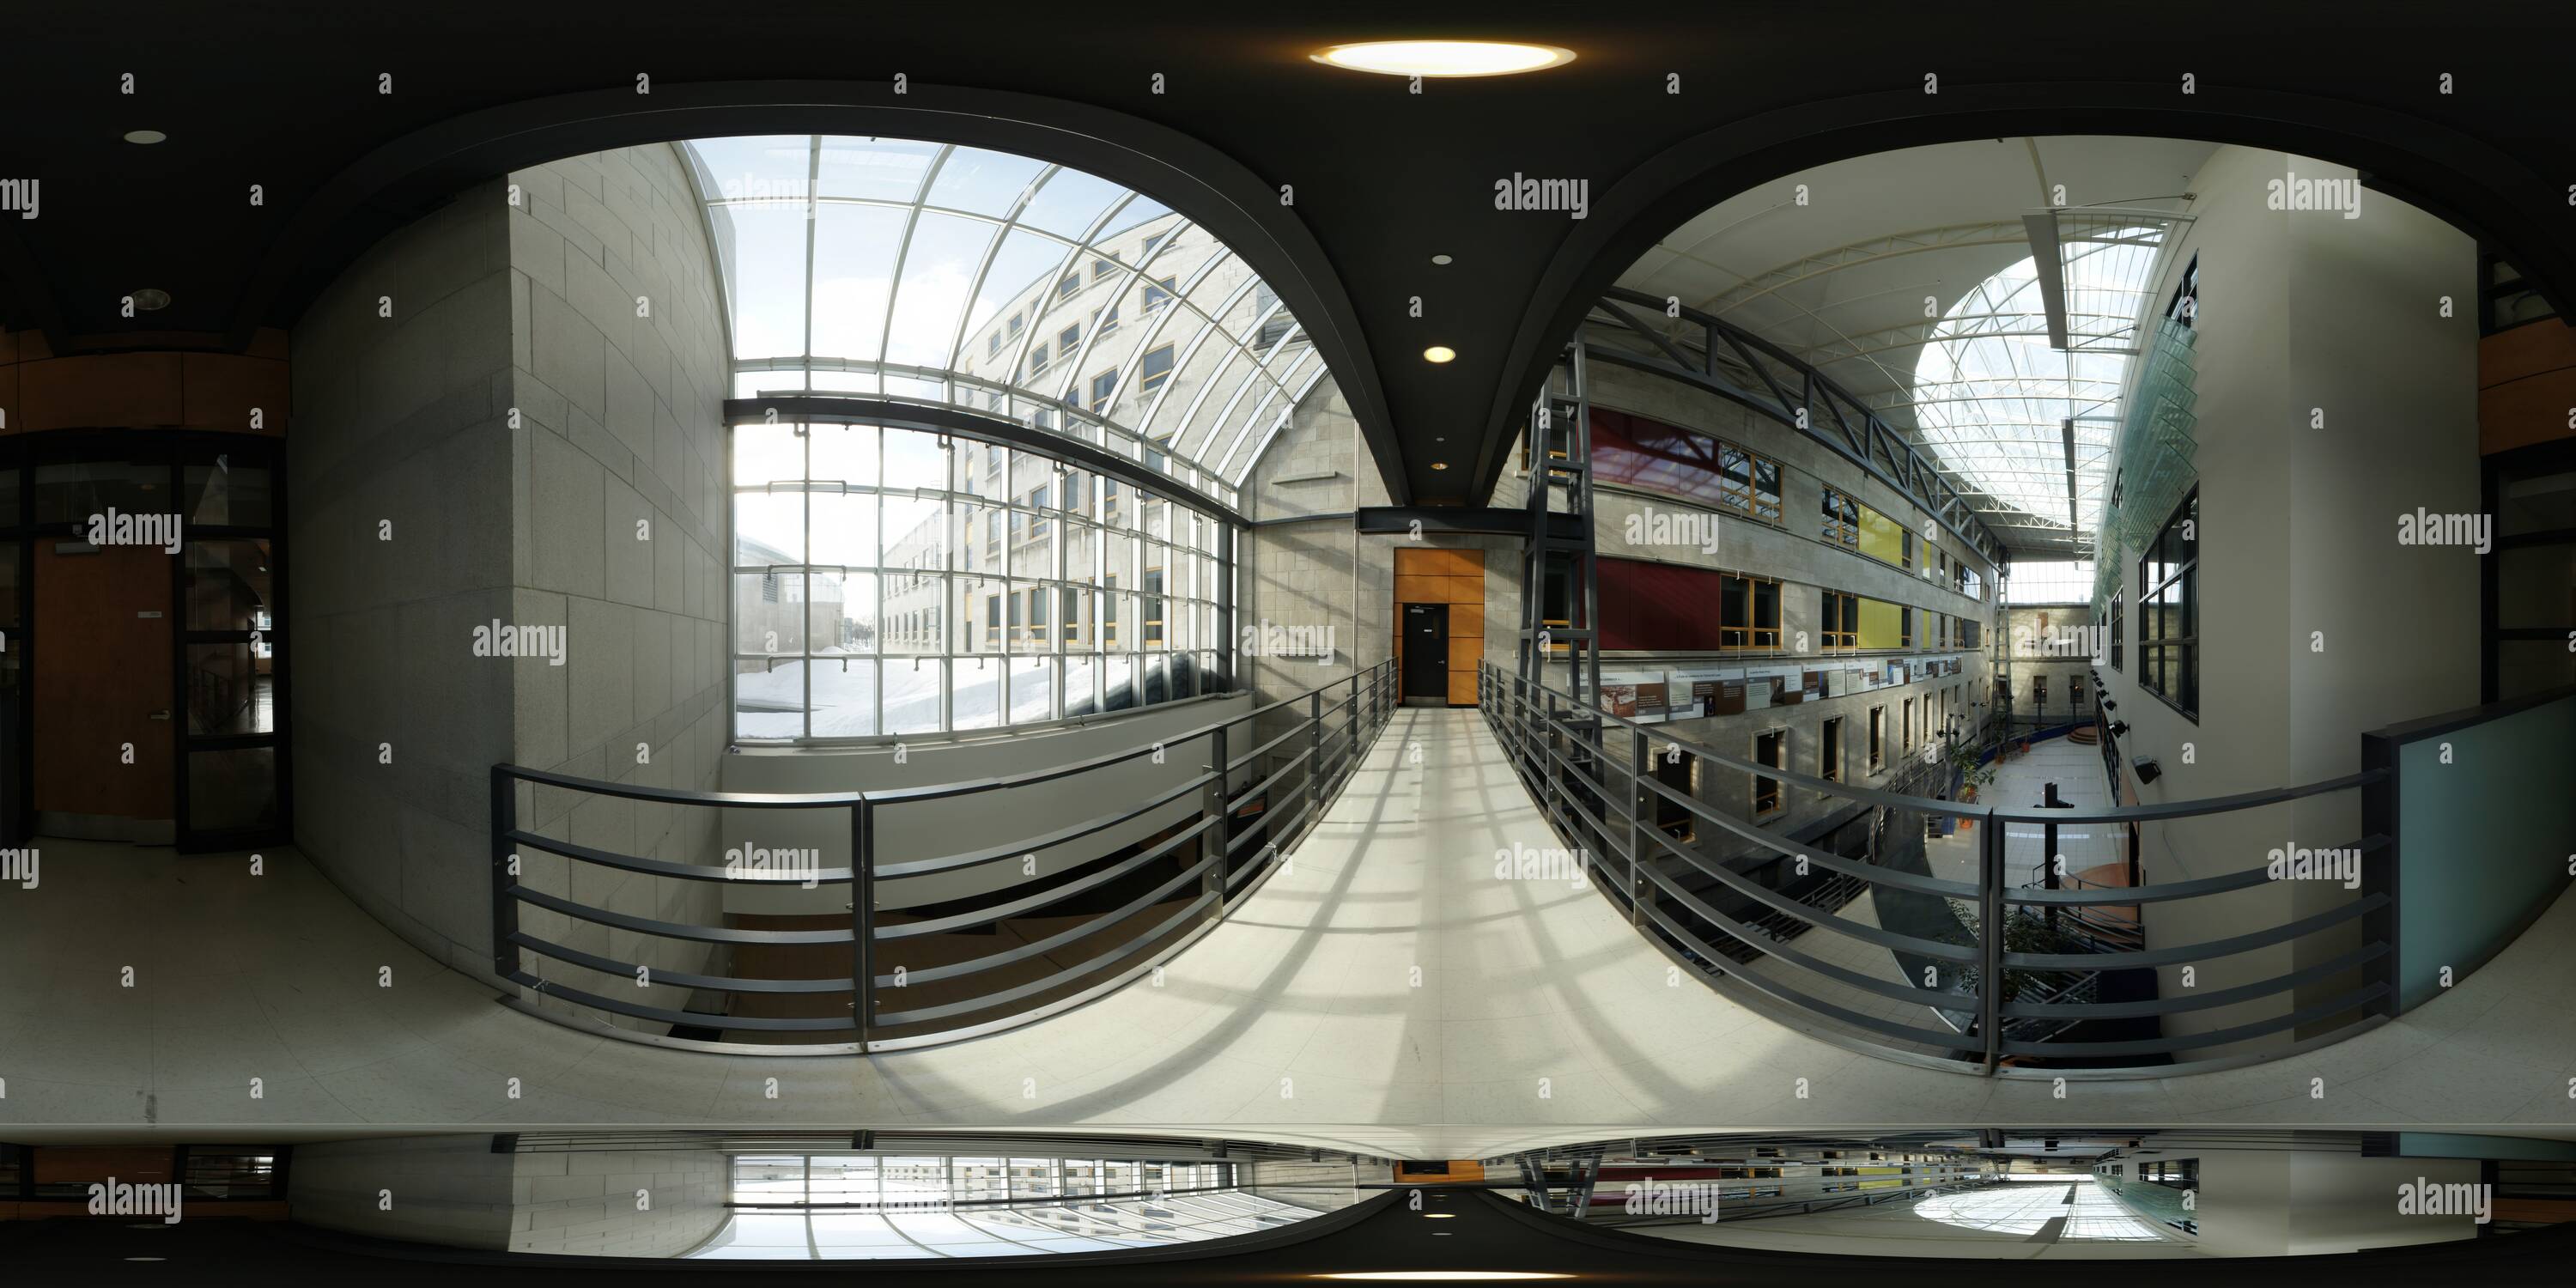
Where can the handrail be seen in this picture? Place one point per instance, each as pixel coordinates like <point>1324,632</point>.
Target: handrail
<point>1191,860</point>
<point>1604,798</point>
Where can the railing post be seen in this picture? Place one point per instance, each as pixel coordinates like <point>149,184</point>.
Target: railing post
<point>1314,753</point>
<point>505,908</point>
<point>1990,941</point>
<point>1213,803</point>
<point>1642,805</point>
<point>863,921</point>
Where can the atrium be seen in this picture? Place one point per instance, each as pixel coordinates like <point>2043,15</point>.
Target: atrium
<point>986,655</point>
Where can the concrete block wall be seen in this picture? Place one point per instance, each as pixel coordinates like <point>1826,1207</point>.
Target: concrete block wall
<point>454,1191</point>
<point>586,1203</point>
<point>492,427</point>
<point>620,364</point>
<point>448,1190</point>
<point>403,468</point>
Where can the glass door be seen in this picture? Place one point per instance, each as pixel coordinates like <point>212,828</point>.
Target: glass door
<point>232,770</point>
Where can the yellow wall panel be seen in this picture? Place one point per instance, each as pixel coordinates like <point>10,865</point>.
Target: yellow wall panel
<point>1881,625</point>
<point>1880,537</point>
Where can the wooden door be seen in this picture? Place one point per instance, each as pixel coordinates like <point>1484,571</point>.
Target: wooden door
<point>102,680</point>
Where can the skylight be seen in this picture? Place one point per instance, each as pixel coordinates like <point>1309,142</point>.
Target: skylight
<point>1015,287</point>
<point>1993,400</point>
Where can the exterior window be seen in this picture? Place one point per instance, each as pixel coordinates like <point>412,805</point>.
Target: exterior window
<point>2119,631</point>
<point>2184,308</point>
<point>2039,692</point>
<point>1904,627</point>
<point>1014,326</point>
<point>1158,294</point>
<point>1747,483</point>
<point>1842,620</point>
<point>1273,330</point>
<point>1157,368</point>
<point>1905,559</point>
<point>2169,611</point>
<point>993,345</point>
<point>1067,339</point>
<point>1906,724</point>
<point>1151,242</point>
<point>1769,748</point>
<point>1970,584</point>
<point>1101,268</point>
<point>1072,282</point>
<point>1842,520</point>
<point>1103,385</point>
<point>1877,739</point>
<point>1108,321</point>
<point>1037,359</point>
<point>1968,633</point>
<point>1749,613</point>
<point>1829,755</point>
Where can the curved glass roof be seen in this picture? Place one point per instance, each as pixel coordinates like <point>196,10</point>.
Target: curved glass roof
<point>946,274</point>
<point>1990,394</point>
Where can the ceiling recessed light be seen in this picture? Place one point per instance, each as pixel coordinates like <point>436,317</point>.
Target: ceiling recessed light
<point>144,136</point>
<point>1440,1276</point>
<point>1443,57</point>
<point>1439,353</point>
<point>1439,259</point>
<point>150,299</point>
<point>1440,465</point>
<point>1439,1216</point>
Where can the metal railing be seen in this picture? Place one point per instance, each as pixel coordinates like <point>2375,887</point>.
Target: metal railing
<point>961,964</point>
<point>1579,763</point>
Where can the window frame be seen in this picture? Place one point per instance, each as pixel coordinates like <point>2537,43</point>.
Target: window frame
<point>1779,762</point>
<point>1878,738</point>
<point>2169,660</point>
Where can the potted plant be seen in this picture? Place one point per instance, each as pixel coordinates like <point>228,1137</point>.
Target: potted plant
<point>1973,773</point>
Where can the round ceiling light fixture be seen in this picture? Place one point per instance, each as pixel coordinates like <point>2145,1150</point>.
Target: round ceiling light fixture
<point>1439,353</point>
<point>1440,465</point>
<point>144,136</point>
<point>1439,259</point>
<point>150,299</point>
<point>1443,57</point>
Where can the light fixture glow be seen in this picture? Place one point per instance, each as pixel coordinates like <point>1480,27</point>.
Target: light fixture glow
<point>150,299</point>
<point>1439,1216</point>
<point>1439,353</point>
<point>144,136</point>
<point>1440,465</point>
<point>1443,57</point>
<point>1439,259</point>
<point>1442,1276</point>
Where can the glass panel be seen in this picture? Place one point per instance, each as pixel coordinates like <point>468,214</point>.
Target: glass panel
<point>228,585</point>
<point>766,278</point>
<point>845,698</point>
<point>766,614</point>
<point>232,790</point>
<point>1119,683</point>
<point>844,454</point>
<point>1081,684</point>
<point>916,532</point>
<point>842,612</point>
<point>914,460</point>
<point>73,493</point>
<point>976,703</point>
<point>915,614</point>
<point>227,494</point>
<point>767,454</point>
<point>768,528</point>
<point>229,690</point>
<point>768,699</point>
<point>912,696</point>
<point>1032,687</point>
<point>844,527</point>
<point>854,253</point>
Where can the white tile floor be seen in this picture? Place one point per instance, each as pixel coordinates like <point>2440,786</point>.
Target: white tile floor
<point>2003,1222</point>
<point>1539,1017</point>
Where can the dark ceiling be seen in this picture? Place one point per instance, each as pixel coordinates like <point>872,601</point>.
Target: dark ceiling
<point>285,96</point>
